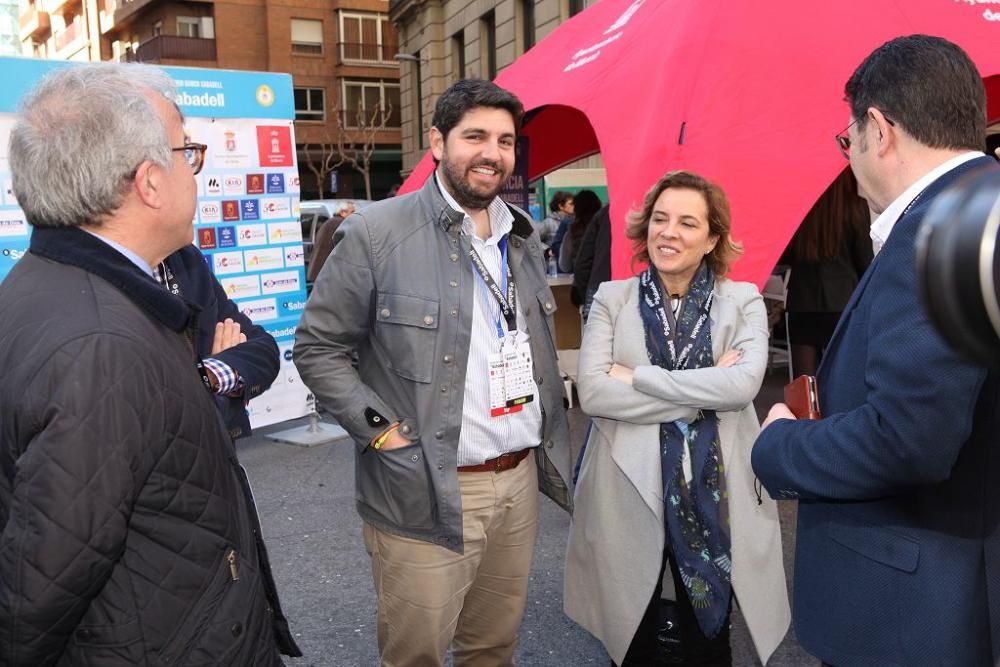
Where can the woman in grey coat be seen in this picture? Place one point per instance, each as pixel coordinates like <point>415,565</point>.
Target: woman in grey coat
<point>666,505</point>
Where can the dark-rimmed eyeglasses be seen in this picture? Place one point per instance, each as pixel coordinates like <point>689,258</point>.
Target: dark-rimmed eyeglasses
<point>844,139</point>
<point>194,155</point>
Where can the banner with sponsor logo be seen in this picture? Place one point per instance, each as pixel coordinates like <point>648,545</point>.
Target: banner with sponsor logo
<point>247,219</point>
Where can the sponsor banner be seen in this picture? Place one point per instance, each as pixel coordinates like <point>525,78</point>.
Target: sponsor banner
<point>295,207</point>
<point>209,212</point>
<point>255,184</point>
<point>284,232</point>
<point>250,209</point>
<point>264,259</point>
<point>292,183</point>
<point>8,193</point>
<point>226,236</point>
<point>275,208</point>
<point>233,184</point>
<point>213,185</point>
<point>206,238</point>
<point>12,223</point>
<point>259,309</point>
<point>252,235</point>
<point>11,250</point>
<point>283,281</point>
<point>241,287</point>
<point>292,306</point>
<point>227,262</point>
<point>294,255</point>
<point>283,329</point>
<point>275,184</point>
<point>274,146</point>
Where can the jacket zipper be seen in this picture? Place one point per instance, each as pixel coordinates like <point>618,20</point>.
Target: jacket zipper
<point>232,565</point>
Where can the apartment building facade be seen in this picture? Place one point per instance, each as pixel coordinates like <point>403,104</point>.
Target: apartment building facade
<point>340,53</point>
<point>442,41</point>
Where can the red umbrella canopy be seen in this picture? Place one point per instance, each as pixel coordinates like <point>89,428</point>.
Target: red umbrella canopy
<point>748,94</point>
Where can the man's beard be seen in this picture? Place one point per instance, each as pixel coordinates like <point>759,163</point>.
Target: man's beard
<point>463,192</point>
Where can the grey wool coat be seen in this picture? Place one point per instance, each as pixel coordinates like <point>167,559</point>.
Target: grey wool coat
<point>617,536</point>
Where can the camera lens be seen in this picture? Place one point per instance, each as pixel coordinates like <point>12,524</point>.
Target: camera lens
<point>958,266</point>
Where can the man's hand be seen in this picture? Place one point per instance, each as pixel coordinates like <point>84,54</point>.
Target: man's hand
<point>621,373</point>
<point>777,411</point>
<point>227,335</point>
<point>729,358</point>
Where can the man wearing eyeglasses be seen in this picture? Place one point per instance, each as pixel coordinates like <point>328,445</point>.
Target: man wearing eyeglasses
<point>898,540</point>
<point>128,533</point>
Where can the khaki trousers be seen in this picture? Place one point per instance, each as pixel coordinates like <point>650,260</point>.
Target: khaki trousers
<point>430,598</point>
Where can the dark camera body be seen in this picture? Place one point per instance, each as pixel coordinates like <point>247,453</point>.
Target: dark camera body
<point>958,265</point>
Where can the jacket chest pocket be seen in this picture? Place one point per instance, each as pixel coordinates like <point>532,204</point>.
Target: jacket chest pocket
<point>406,327</point>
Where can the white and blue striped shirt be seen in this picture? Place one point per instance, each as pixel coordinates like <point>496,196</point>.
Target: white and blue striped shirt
<point>484,437</point>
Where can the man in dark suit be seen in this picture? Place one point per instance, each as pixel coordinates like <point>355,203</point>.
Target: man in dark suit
<point>239,358</point>
<point>898,546</point>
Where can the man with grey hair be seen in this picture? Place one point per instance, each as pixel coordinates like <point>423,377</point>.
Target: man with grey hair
<point>128,533</point>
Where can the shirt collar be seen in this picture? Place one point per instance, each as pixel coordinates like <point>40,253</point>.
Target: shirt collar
<point>883,225</point>
<point>501,219</point>
<point>132,257</point>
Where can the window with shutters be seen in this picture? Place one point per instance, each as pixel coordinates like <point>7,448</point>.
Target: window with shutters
<point>307,37</point>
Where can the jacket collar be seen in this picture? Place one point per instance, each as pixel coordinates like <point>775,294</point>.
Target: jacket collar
<point>450,220</point>
<point>75,247</point>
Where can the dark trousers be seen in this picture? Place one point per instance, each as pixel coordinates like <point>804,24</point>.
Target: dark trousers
<point>669,633</point>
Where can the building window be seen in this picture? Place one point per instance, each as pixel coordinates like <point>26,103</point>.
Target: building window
<point>367,38</point>
<point>310,104</point>
<point>188,26</point>
<point>527,15</point>
<point>307,36</point>
<point>488,45</point>
<point>458,55</point>
<point>576,6</point>
<point>363,98</point>
<point>157,28</point>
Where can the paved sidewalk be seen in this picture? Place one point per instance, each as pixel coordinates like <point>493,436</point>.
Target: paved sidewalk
<point>306,502</point>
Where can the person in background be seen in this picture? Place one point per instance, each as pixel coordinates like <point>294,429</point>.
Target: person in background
<point>128,532</point>
<point>827,256</point>
<point>897,557</point>
<point>669,366</point>
<point>585,204</point>
<point>454,401</point>
<point>326,241</point>
<point>560,210</point>
<point>240,358</point>
<point>593,261</point>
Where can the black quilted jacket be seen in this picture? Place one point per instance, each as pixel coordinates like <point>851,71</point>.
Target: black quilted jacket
<point>129,536</point>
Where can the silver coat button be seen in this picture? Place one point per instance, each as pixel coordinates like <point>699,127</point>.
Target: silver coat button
<point>454,257</point>
<point>428,320</point>
<point>447,359</point>
<point>405,428</point>
<point>453,283</point>
<point>385,312</point>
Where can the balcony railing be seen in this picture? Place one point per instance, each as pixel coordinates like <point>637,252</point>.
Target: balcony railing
<point>73,32</point>
<point>170,47</point>
<point>376,54</point>
<point>34,23</point>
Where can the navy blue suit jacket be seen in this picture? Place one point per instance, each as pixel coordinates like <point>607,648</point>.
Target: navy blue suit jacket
<point>256,360</point>
<point>898,549</point>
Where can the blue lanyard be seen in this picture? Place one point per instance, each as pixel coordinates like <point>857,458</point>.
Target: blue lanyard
<point>505,295</point>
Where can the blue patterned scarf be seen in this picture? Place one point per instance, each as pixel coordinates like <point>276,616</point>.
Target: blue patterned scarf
<point>696,514</point>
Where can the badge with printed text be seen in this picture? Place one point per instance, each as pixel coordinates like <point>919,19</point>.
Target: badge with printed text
<point>511,381</point>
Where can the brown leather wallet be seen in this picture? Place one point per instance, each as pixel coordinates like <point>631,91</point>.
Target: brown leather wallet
<point>802,397</point>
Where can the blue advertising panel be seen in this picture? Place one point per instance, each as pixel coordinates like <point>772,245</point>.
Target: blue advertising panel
<point>247,219</point>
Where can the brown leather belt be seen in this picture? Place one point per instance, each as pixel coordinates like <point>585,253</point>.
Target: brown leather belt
<point>499,464</point>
